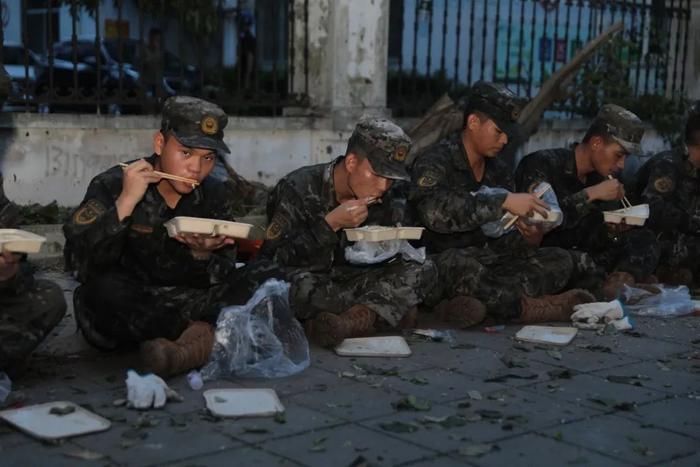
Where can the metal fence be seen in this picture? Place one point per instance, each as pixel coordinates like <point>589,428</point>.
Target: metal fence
<point>438,46</point>
<point>100,56</point>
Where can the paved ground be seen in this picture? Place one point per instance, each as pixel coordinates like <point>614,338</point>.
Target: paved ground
<point>629,399</point>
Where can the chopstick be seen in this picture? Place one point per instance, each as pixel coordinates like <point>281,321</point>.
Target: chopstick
<point>189,181</point>
<point>625,202</point>
<point>539,194</point>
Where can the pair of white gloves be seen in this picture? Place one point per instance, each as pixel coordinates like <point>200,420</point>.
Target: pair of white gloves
<point>600,314</point>
<point>148,391</point>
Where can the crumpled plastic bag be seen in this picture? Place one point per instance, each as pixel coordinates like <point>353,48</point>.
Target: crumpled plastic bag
<point>550,197</point>
<point>260,339</point>
<point>497,228</point>
<point>659,300</point>
<point>493,229</point>
<point>364,252</point>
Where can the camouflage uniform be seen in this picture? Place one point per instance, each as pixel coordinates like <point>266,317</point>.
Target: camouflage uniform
<point>137,283</point>
<point>583,229</point>
<point>299,239</point>
<point>670,184</point>
<point>29,308</point>
<point>499,271</point>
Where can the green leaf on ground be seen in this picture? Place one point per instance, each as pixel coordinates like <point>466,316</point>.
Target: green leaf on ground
<point>412,403</point>
<point>399,427</point>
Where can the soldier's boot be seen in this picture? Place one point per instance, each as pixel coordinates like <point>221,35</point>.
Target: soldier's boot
<point>553,307</point>
<point>615,282</point>
<point>191,350</point>
<point>329,329</point>
<point>675,275</point>
<point>462,311</point>
<point>84,322</point>
<point>650,279</point>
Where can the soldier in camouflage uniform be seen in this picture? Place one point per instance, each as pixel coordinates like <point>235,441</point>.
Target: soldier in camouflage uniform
<point>307,212</point>
<point>583,180</point>
<point>138,284</point>
<point>670,183</point>
<point>501,277</point>
<point>29,308</point>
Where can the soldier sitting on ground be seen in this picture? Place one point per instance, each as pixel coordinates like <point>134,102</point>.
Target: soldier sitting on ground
<point>29,308</point>
<point>138,286</point>
<point>505,278</point>
<point>307,212</point>
<point>583,179</point>
<point>670,183</point>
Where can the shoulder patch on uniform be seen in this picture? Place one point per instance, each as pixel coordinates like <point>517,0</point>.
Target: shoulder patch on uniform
<point>277,226</point>
<point>428,179</point>
<point>89,212</point>
<point>663,184</point>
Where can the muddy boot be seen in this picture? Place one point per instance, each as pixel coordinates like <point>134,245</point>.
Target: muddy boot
<point>329,329</point>
<point>553,307</point>
<point>675,276</point>
<point>191,350</point>
<point>461,312</point>
<point>615,282</point>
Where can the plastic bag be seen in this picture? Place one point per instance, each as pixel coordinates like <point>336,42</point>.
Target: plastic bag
<point>657,300</point>
<point>493,229</point>
<point>259,339</point>
<point>555,217</point>
<point>364,252</point>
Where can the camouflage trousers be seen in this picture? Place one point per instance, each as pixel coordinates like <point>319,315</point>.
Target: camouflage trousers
<point>27,315</point>
<point>124,309</point>
<point>390,289</point>
<point>500,280</point>
<point>680,250</point>
<point>635,251</point>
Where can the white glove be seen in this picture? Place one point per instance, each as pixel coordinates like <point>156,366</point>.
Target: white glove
<point>597,315</point>
<point>144,392</point>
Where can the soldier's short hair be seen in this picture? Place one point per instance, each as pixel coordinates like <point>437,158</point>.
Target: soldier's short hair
<point>598,129</point>
<point>357,147</point>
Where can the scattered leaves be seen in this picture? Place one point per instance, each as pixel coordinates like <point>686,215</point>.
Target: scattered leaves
<point>62,410</point>
<point>412,403</point>
<point>84,454</point>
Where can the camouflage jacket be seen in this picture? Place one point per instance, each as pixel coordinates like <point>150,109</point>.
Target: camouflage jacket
<point>445,199</point>
<point>582,219</point>
<point>298,235</point>
<point>670,184</point>
<point>97,241</point>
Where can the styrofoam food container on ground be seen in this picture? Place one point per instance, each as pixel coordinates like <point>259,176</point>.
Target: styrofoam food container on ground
<point>243,402</point>
<point>38,421</point>
<point>378,346</point>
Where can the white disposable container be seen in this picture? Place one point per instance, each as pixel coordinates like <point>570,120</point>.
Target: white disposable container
<point>199,225</point>
<point>376,233</point>
<point>547,334</point>
<point>20,241</point>
<point>237,402</point>
<point>634,215</point>
<point>381,346</point>
<point>38,421</point>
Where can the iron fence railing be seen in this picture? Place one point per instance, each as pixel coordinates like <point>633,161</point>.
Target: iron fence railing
<point>251,61</point>
<point>437,46</point>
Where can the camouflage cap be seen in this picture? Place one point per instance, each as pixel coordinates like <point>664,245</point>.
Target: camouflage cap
<point>195,122</point>
<point>624,127</point>
<point>386,146</point>
<point>497,102</point>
